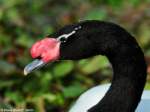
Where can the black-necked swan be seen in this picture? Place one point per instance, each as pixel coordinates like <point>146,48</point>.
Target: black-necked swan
<point>90,38</point>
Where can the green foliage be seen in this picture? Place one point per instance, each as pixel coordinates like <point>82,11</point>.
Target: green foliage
<point>93,65</point>
<point>55,87</point>
<point>147,86</point>
<point>62,69</point>
<point>14,96</point>
<point>6,68</point>
<point>115,3</point>
<point>73,90</point>
<point>96,14</point>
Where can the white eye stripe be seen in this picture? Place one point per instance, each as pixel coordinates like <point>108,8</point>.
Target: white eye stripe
<point>66,36</point>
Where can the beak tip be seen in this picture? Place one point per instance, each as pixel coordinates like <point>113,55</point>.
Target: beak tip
<point>25,73</point>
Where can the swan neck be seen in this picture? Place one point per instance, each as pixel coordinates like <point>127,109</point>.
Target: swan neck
<point>129,77</point>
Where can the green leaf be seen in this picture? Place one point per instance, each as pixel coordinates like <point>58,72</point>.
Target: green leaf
<point>63,68</point>
<point>96,14</point>
<point>115,3</point>
<point>6,68</point>
<point>15,96</point>
<point>45,81</point>
<point>49,97</point>
<point>5,39</point>
<point>144,35</point>
<point>6,83</point>
<point>59,99</point>
<point>25,40</point>
<point>147,86</point>
<point>48,30</point>
<point>93,65</point>
<point>73,90</point>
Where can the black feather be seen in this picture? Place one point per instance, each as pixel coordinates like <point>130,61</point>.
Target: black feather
<point>123,52</point>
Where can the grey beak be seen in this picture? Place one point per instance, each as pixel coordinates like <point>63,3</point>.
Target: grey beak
<point>36,64</point>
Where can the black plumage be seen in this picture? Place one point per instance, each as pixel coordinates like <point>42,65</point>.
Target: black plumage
<point>123,52</point>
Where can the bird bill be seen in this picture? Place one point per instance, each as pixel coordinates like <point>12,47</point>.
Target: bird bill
<point>34,65</point>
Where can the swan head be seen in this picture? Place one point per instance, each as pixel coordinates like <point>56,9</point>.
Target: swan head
<point>69,43</point>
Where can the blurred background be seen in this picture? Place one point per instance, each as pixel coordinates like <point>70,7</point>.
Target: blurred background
<point>56,87</point>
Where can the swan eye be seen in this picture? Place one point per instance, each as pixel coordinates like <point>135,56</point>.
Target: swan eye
<point>63,39</point>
